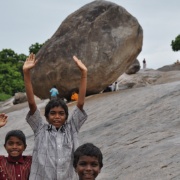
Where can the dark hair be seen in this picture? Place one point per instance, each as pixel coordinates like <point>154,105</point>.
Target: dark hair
<point>56,103</point>
<point>17,133</point>
<point>88,149</point>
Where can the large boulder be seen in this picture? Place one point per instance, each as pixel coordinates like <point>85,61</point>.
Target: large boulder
<point>134,67</point>
<point>103,35</point>
<point>142,78</point>
<point>19,97</point>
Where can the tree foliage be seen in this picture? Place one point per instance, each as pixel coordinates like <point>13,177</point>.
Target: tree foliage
<point>11,76</point>
<point>34,48</point>
<point>176,43</point>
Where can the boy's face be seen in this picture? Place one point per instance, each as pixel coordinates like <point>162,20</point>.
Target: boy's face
<point>88,168</point>
<point>14,146</point>
<point>57,116</point>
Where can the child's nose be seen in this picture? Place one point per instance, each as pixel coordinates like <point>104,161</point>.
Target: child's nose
<point>57,115</point>
<point>88,167</point>
<point>14,146</point>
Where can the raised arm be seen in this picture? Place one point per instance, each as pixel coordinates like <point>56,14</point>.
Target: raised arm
<point>83,82</point>
<point>3,119</point>
<point>28,65</point>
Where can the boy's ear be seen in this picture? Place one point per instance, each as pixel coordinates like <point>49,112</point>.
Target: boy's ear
<point>5,147</point>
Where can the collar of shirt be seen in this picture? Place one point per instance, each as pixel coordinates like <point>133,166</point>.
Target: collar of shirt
<point>11,160</point>
<point>51,127</point>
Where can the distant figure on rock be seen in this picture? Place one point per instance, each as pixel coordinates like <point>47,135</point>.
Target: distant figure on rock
<point>177,62</point>
<point>54,92</point>
<point>74,96</point>
<point>116,86</point>
<point>144,64</point>
<point>55,141</point>
<point>112,87</point>
<point>108,89</point>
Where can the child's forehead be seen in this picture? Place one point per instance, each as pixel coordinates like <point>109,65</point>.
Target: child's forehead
<point>57,108</point>
<point>85,158</point>
<point>14,138</point>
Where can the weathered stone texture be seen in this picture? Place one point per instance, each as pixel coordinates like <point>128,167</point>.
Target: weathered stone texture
<point>173,67</point>
<point>136,129</point>
<point>103,35</point>
<point>19,98</point>
<point>134,67</point>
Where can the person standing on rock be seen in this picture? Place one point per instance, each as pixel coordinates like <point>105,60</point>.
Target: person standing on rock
<point>74,96</point>
<point>56,141</point>
<point>144,64</point>
<point>54,92</point>
<point>116,86</point>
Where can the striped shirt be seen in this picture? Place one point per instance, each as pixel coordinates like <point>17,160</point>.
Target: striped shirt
<point>53,150</point>
<point>15,170</point>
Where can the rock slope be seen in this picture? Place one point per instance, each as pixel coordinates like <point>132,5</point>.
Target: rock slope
<point>137,130</point>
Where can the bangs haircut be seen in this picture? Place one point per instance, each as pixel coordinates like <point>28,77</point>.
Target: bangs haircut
<point>16,133</point>
<point>56,103</point>
<point>88,149</point>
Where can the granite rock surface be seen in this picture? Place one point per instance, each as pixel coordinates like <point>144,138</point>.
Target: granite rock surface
<point>137,130</point>
<point>104,35</point>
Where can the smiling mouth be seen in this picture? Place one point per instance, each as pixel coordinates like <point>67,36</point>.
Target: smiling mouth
<point>14,152</point>
<point>88,175</point>
<point>57,122</point>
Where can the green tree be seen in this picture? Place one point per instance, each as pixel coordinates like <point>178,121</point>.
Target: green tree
<point>11,76</point>
<point>34,48</point>
<point>176,43</point>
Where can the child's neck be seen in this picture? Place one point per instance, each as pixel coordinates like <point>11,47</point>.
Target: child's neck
<point>16,158</point>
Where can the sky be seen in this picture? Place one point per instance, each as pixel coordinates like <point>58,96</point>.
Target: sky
<point>23,23</point>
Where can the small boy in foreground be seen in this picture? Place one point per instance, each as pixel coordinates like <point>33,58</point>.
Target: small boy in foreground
<point>56,141</point>
<point>15,166</point>
<point>88,161</point>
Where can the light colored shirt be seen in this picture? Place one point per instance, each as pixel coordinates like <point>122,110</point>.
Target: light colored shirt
<point>54,92</point>
<point>53,150</point>
<point>116,87</point>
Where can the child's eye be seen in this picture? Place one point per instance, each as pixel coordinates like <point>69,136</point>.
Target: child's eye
<point>19,144</point>
<point>94,164</point>
<point>62,113</point>
<point>82,164</point>
<point>10,143</point>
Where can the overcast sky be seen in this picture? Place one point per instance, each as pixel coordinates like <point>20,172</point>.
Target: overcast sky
<point>24,23</point>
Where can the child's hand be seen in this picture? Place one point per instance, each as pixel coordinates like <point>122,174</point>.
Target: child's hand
<point>3,119</point>
<point>81,66</point>
<point>30,62</point>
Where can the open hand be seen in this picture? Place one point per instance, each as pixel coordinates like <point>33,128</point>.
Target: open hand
<point>3,119</point>
<point>30,62</point>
